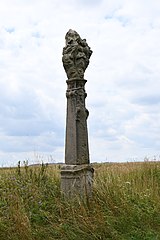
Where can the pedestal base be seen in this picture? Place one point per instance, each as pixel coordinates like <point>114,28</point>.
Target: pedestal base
<point>77,180</point>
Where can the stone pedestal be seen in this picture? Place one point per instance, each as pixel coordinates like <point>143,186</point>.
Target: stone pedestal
<point>76,180</point>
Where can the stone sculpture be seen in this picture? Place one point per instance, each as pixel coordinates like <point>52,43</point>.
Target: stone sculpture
<point>76,174</point>
<point>76,55</point>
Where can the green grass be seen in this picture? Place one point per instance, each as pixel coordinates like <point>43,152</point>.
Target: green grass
<point>125,204</point>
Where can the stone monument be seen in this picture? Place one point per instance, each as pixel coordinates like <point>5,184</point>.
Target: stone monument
<point>77,173</point>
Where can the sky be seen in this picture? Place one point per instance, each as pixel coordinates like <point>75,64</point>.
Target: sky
<point>123,78</point>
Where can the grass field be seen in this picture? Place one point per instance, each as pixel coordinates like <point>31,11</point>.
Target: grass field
<point>125,204</point>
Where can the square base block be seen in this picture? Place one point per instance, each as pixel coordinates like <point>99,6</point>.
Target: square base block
<point>77,180</point>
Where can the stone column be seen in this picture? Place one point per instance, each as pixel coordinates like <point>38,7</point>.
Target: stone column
<point>76,147</point>
<point>77,173</point>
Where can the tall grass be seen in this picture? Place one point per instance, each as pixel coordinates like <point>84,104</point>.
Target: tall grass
<point>125,204</point>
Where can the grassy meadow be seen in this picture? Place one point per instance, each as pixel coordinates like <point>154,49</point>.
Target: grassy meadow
<point>125,204</point>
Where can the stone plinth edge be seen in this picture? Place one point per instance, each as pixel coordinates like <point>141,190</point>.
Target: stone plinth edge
<point>77,180</point>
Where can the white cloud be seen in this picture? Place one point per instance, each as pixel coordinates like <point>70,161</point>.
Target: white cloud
<point>123,77</point>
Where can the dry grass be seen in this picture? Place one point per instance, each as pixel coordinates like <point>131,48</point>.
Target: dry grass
<point>125,204</point>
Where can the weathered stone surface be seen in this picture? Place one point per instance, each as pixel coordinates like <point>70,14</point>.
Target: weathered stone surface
<point>77,180</point>
<point>76,148</point>
<point>76,174</point>
<point>76,55</point>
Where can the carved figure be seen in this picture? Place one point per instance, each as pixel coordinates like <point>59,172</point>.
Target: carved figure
<point>76,55</point>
